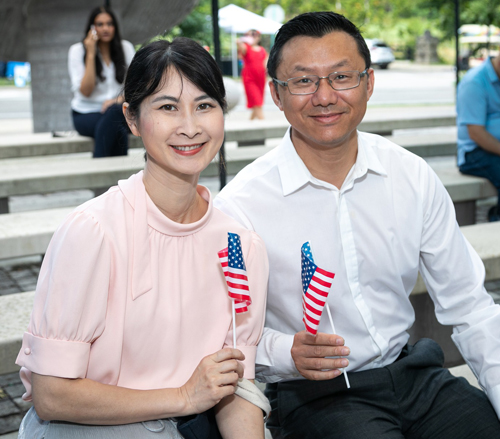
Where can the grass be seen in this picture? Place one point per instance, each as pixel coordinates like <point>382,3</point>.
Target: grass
<point>5,81</point>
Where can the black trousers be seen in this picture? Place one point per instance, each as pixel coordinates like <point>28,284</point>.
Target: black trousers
<point>485,164</point>
<point>415,397</point>
<point>108,129</point>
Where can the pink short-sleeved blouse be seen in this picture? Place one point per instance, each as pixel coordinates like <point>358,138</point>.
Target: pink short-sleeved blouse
<point>130,298</point>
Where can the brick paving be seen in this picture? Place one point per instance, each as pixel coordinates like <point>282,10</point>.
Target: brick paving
<point>18,278</point>
<point>12,407</point>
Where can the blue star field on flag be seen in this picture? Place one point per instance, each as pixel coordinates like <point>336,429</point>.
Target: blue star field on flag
<point>233,266</point>
<point>235,254</point>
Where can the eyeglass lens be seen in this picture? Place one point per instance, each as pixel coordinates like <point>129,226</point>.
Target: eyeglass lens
<point>310,83</point>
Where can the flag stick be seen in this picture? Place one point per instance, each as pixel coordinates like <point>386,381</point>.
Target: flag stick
<point>234,325</point>
<point>333,329</point>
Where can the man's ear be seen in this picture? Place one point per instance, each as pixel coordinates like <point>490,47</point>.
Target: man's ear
<point>131,122</point>
<point>370,83</point>
<point>273,87</point>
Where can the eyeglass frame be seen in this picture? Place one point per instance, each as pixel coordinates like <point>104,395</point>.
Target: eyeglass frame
<point>285,83</point>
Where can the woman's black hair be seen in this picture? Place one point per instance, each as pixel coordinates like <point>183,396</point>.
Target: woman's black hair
<point>116,49</point>
<point>316,25</point>
<point>146,73</point>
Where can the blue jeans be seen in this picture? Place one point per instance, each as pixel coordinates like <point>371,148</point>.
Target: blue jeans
<point>108,129</point>
<point>481,163</point>
<point>413,398</point>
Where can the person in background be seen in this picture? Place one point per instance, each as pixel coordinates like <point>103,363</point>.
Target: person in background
<point>478,120</point>
<point>254,58</point>
<point>376,216</point>
<point>131,331</point>
<point>97,68</point>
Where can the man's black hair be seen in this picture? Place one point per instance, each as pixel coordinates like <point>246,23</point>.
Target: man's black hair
<point>316,25</point>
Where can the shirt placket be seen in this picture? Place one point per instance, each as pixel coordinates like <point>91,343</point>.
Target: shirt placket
<point>379,344</point>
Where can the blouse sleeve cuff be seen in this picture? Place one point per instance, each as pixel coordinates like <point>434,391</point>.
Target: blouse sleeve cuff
<point>60,358</point>
<point>250,352</point>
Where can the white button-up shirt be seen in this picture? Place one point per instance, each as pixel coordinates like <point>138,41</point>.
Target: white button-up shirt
<point>104,90</point>
<point>391,218</point>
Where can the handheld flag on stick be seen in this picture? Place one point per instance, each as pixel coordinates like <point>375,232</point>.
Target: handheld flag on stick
<point>233,266</point>
<point>316,284</point>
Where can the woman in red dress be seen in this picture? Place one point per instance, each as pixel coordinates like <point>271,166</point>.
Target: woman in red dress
<point>254,71</point>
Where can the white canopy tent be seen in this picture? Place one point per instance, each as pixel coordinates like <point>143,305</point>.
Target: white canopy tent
<point>476,33</point>
<point>237,20</point>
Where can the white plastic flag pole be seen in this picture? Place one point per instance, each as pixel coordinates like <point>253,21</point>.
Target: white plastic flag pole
<point>333,329</point>
<point>234,325</point>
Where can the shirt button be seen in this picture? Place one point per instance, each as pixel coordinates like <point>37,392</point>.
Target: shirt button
<point>27,351</point>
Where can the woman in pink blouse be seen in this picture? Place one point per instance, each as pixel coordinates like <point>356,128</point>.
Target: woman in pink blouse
<point>131,332</point>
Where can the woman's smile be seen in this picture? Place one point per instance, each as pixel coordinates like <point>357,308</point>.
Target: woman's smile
<point>188,149</point>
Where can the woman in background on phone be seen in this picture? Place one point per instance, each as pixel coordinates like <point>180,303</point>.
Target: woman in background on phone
<point>97,68</point>
<point>254,58</point>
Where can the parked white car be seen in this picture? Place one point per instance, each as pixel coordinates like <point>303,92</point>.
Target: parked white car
<point>380,53</point>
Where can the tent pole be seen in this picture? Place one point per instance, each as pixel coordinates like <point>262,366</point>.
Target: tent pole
<point>215,24</point>
<point>457,54</point>
<point>234,54</point>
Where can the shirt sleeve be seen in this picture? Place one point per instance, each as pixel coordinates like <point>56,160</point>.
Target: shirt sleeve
<point>70,305</point>
<point>454,275</point>
<point>274,358</point>
<point>472,104</point>
<point>249,325</point>
<point>76,66</point>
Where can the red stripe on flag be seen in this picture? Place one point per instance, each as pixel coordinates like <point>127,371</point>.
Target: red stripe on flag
<point>309,329</point>
<point>317,290</point>
<point>311,320</point>
<point>316,301</point>
<point>312,309</point>
<point>237,276</point>
<point>325,273</point>
<point>237,286</point>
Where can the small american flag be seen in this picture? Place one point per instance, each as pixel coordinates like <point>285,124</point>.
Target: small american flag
<point>316,284</point>
<point>233,266</point>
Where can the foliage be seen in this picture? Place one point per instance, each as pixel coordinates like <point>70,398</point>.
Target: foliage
<point>197,25</point>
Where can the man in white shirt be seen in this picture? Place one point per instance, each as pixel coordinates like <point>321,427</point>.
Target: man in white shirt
<point>375,215</point>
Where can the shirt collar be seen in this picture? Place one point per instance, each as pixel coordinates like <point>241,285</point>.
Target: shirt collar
<point>492,74</point>
<point>294,173</point>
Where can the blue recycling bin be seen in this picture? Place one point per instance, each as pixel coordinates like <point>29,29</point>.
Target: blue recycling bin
<point>11,65</point>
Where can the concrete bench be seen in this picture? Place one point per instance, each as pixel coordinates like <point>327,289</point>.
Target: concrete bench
<point>243,133</point>
<point>249,133</point>
<point>46,174</point>
<point>29,233</point>
<point>485,238</point>
<point>41,144</point>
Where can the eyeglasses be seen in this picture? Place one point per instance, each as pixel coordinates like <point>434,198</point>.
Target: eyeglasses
<point>309,84</point>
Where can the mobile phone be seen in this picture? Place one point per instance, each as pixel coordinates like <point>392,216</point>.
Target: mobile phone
<point>92,27</point>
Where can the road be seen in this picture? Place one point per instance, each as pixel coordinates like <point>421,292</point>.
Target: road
<point>402,84</point>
